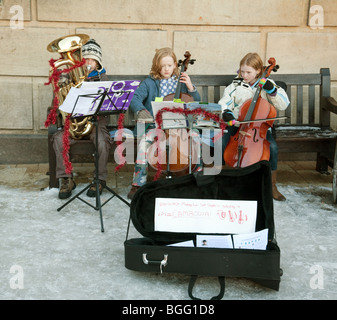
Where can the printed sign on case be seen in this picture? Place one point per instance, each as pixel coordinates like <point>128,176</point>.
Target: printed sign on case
<point>257,240</point>
<point>205,216</point>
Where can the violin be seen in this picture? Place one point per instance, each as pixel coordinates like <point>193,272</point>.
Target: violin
<point>249,145</point>
<point>178,152</point>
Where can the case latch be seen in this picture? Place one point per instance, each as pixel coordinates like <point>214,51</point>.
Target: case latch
<point>162,263</point>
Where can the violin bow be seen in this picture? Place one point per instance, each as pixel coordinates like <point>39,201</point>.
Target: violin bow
<point>237,123</point>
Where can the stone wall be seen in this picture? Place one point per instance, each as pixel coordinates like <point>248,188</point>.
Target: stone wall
<point>301,35</point>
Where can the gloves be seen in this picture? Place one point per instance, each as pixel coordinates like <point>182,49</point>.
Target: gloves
<point>268,86</point>
<point>227,115</point>
<point>144,116</point>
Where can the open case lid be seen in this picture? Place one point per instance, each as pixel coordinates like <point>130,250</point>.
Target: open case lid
<point>249,183</point>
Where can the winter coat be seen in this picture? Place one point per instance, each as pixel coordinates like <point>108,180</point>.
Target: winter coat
<point>149,90</point>
<point>240,91</point>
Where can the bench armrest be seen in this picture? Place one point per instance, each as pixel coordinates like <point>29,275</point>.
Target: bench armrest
<point>330,104</point>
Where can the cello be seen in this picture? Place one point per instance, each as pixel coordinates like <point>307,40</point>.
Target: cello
<point>178,95</point>
<point>178,152</point>
<point>249,145</point>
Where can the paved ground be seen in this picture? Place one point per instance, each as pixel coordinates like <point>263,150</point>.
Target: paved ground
<point>63,255</point>
<point>33,176</point>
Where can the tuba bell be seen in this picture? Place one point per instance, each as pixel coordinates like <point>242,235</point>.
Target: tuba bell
<point>70,49</point>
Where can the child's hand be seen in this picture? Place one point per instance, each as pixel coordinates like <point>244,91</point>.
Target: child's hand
<point>144,116</point>
<point>184,78</point>
<point>227,115</point>
<point>268,86</point>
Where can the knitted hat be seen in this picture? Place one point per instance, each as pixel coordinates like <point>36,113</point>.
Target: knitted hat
<point>92,50</point>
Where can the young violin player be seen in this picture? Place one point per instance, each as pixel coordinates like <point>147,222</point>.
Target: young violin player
<point>162,81</point>
<point>242,89</point>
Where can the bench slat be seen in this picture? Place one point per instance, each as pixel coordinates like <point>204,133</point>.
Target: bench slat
<point>298,79</point>
<point>311,104</point>
<point>217,94</point>
<point>299,104</point>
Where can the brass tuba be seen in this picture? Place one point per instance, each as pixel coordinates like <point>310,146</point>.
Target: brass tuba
<point>70,49</point>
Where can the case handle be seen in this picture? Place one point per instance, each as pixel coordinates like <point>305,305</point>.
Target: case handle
<point>193,279</point>
<point>162,263</point>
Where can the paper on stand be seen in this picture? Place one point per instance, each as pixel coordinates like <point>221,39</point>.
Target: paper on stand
<point>120,93</point>
<point>86,99</point>
<point>80,101</point>
<point>170,120</point>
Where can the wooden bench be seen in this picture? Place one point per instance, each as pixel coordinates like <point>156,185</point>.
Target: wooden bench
<point>306,130</point>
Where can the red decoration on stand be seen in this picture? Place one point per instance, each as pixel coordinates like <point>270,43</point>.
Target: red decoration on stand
<point>119,141</point>
<point>66,146</point>
<point>186,112</point>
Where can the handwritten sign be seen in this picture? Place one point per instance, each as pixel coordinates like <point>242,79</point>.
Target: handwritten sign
<point>205,216</point>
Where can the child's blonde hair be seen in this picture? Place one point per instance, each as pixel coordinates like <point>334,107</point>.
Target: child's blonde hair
<point>156,66</point>
<point>252,60</point>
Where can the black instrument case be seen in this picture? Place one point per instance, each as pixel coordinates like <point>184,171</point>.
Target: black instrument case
<point>151,253</point>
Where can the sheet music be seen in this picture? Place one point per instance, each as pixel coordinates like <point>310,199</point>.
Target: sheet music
<point>170,120</point>
<point>85,100</point>
<point>120,93</point>
<point>257,240</point>
<point>201,121</point>
<point>71,100</point>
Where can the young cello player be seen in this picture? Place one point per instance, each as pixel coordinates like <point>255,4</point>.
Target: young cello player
<point>242,89</point>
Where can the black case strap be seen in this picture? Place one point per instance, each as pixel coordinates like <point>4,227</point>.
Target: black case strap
<point>193,279</point>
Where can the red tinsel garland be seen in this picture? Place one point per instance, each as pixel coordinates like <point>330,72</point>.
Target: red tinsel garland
<point>66,146</point>
<point>198,111</point>
<point>54,78</point>
<point>119,148</point>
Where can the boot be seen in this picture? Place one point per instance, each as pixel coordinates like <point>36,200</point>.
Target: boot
<point>276,194</point>
<point>92,190</point>
<point>66,187</point>
<point>132,192</point>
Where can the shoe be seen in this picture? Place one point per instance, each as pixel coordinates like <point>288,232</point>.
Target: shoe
<point>132,192</point>
<point>92,190</point>
<point>67,185</point>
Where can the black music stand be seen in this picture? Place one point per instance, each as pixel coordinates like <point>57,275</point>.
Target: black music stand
<point>100,97</point>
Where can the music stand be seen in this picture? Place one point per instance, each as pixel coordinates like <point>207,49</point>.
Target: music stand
<point>101,97</point>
